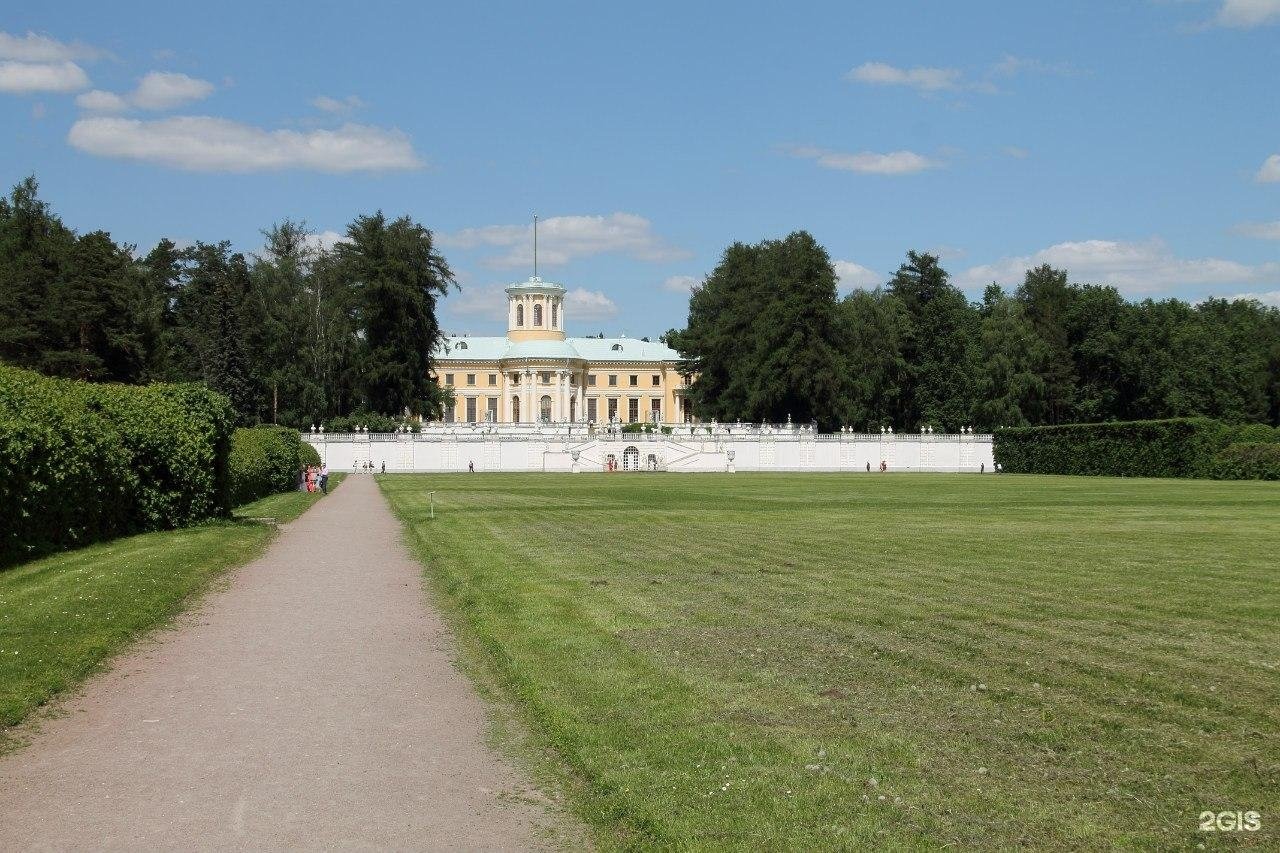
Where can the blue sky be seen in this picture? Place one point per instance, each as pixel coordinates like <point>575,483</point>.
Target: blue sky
<point>1134,143</point>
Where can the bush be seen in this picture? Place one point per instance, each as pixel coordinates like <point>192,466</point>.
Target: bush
<point>308,455</point>
<point>81,462</point>
<point>1248,460</point>
<point>1178,447</point>
<point>265,460</point>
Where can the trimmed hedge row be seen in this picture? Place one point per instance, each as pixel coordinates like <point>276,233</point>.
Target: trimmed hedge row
<point>82,462</point>
<point>1177,447</point>
<point>1248,460</point>
<point>265,460</point>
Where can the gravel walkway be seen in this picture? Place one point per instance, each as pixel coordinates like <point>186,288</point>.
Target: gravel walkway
<point>311,704</point>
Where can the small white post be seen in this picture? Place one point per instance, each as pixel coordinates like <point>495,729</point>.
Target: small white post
<point>432,495</point>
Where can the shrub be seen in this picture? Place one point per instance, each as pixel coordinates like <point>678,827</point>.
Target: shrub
<point>308,455</point>
<point>1248,460</point>
<point>265,460</point>
<point>1178,447</point>
<point>81,462</point>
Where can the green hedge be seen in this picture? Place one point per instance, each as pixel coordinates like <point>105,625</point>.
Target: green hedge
<point>81,462</point>
<point>1178,447</point>
<point>1248,460</point>
<point>266,460</point>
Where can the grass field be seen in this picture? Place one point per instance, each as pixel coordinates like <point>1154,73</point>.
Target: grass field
<point>63,615</point>
<point>833,661</point>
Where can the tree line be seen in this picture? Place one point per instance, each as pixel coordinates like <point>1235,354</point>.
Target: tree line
<point>293,334</point>
<point>300,333</point>
<point>767,338</point>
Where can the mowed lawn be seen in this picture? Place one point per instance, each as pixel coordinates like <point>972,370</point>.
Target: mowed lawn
<point>63,615</point>
<point>877,661</point>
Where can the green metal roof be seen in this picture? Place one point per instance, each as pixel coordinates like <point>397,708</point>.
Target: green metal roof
<point>595,350</point>
<point>536,285</point>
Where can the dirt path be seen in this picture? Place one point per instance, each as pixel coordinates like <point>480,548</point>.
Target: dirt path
<point>313,703</point>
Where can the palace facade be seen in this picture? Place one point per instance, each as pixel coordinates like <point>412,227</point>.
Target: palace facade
<point>538,375</point>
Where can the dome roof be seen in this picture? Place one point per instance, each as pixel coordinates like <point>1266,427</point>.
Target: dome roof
<point>542,349</point>
<point>534,284</point>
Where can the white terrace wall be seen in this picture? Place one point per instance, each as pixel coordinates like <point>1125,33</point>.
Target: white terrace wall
<point>724,452</point>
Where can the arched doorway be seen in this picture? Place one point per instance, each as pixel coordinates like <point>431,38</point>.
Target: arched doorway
<point>515,409</point>
<point>546,408</point>
<point>631,459</point>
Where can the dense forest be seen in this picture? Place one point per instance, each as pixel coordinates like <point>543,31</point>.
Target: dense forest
<point>299,333</point>
<point>767,337</point>
<point>291,335</point>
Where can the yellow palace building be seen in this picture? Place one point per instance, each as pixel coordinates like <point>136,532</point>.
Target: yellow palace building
<point>538,375</point>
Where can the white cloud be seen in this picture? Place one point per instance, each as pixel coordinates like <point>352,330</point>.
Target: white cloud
<point>25,77</point>
<point>1010,66</point>
<point>681,283</point>
<point>1135,268</point>
<point>1016,153</point>
<point>337,105</point>
<point>563,238</point>
<point>854,275</point>
<point>98,101</point>
<point>37,48</point>
<point>485,301</point>
<point>923,79</point>
<point>159,90</point>
<point>582,304</point>
<point>1260,230</point>
<point>164,90</point>
<point>1270,297</point>
<point>1246,14</point>
<point>326,240</point>
<point>1270,171</point>
<point>207,144</point>
<point>867,162</point>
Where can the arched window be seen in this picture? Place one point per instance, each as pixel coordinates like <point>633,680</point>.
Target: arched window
<point>555,314</point>
<point>519,315</point>
<point>546,409</point>
<point>616,347</point>
<point>537,315</point>
<point>462,344</point>
<point>515,409</point>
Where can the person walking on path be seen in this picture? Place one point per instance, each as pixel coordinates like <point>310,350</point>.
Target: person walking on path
<point>324,478</point>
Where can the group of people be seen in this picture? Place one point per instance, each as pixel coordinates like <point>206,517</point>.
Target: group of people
<point>367,467</point>
<point>314,478</point>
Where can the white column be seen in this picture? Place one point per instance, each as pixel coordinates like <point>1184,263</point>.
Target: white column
<point>562,396</point>
<point>529,416</point>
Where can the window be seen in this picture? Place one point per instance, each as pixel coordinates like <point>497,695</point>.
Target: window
<point>515,410</point>
<point>555,315</point>
<point>546,408</point>
<point>471,379</point>
<point>537,315</point>
<point>591,409</point>
<point>591,380</point>
<point>491,410</point>
<point>633,410</point>
<point>613,408</point>
<point>519,315</point>
<point>657,380</point>
<point>493,380</point>
<point>616,347</point>
<point>633,380</point>
<point>462,344</point>
<point>545,377</point>
<point>613,381</point>
<point>655,410</point>
<point>471,410</point>
<point>515,378</point>
<point>448,380</point>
